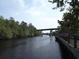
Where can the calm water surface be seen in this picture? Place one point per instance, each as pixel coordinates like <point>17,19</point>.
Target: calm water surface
<point>42,47</point>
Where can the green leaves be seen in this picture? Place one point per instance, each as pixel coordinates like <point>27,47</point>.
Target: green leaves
<point>9,28</point>
<point>63,3</point>
<point>70,23</point>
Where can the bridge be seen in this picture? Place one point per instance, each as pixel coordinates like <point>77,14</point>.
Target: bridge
<point>50,29</point>
<point>47,29</point>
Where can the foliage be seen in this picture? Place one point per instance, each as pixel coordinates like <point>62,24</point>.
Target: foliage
<point>9,28</point>
<point>69,24</point>
<point>63,3</point>
<point>70,21</point>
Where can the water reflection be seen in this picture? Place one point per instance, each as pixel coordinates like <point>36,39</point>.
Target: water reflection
<point>44,47</point>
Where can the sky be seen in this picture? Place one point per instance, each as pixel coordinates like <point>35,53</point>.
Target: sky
<point>37,12</point>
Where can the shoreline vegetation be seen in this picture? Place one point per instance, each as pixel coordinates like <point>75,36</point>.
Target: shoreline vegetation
<point>11,29</point>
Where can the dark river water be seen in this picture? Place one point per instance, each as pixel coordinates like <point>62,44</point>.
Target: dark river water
<point>41,47</point>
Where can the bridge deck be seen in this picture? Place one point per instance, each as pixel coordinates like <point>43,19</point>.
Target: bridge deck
<point>47,29</point>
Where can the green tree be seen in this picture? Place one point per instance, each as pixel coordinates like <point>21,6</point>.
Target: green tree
<point>9,28</point>
<point>73,10</point>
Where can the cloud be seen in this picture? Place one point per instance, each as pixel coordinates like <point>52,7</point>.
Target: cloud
<point>33,12</point>
<point>21,3</point>
<point>38,12</point>
<point>11,7</point>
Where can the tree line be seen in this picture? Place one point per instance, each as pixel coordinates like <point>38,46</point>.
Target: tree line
<point>9,29</point>
<point>70,20</point>
<point>69,24</point>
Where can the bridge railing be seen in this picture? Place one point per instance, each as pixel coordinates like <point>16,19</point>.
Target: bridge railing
<point>67,51</point>
<point>72,40</point>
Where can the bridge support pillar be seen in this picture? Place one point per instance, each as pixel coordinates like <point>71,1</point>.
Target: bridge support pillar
<point>50,32</point>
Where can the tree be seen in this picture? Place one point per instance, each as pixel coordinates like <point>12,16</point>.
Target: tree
<point>67,23</point>
<point>9,28</point>
<point>63,3</point>
<point>32,29</point>
<point>74,11</point>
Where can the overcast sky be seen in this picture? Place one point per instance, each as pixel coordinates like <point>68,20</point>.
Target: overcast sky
<point>37,12</point>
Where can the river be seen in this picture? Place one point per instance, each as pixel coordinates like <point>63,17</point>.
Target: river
<point>41,47</point>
